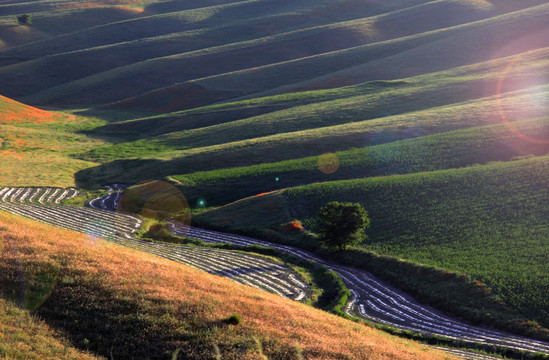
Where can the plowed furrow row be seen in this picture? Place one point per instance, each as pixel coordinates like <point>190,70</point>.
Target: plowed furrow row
<point>119,228</point>
<point>40,195</point>
<point>376,301</point>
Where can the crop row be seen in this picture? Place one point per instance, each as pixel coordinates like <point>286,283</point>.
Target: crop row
<point>371,299</point>
<point>466,354</point>
<point>119,228</point>
<point>376,301</point>
<point>36,195</point>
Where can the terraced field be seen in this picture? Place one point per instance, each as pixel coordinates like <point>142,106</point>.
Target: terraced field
<point>37,195</point>
<point>372,299</point>
<point>42,205</point>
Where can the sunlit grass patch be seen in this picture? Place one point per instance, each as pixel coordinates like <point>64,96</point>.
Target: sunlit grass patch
<point>118,302</point>
<point>36,146</point>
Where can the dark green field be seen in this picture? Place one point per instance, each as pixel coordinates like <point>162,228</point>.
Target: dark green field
<point>432,114</point>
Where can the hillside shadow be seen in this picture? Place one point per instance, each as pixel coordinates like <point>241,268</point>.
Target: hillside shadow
<point>153,125</point>
<point>113,115</point>
<point>119,171</point>
<point>94,319</point>
<point>114,324</point>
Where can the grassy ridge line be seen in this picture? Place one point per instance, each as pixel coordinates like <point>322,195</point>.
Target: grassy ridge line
<point>454,149</point>
<point>213,29</point>
<point>120,31</point>
<point>306,143</point>
<point>357,103</point>
<point>354,109</point>
<point>263,77</point>
<point>442,88</point>
<point>305,13</point>
<point>391,54</point>
<point>193,43</point>
<point>170,306</point>
<point>271,47</point>
<point>109,74</point>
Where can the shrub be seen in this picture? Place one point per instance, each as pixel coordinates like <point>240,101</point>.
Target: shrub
<point>234,319</point>
<point>24,19</point>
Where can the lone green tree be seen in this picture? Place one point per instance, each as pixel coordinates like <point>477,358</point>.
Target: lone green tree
<point>342,224</point>
<point>24,19</point>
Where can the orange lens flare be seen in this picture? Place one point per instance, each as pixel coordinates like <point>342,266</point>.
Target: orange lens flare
<point>328,163</point>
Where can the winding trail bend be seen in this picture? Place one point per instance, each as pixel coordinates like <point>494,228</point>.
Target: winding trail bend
<point>377,301</point>
<point>371,299</point>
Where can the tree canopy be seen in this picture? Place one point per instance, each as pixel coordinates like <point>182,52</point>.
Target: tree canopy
<point>342,224</point>
<point>24,19</point>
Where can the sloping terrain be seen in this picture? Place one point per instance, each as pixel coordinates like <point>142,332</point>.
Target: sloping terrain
<point>401,105</point>
<point>167,306</point>
<point>207,52</point>
<point>485,221</point>
<point>370,298</point>
<point>35,145</point>
<point>25,337</point>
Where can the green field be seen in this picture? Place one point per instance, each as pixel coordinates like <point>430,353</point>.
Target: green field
<point>432,114</point>
<point>37,146</point>
<point>454,149</point>
<point>486,221</point>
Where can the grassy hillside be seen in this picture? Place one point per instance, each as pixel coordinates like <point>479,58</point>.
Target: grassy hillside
<point>36,145</point>
<point>486,221</point>
<point>167,307</point>
<point>453,149</point>
<point>413,100</point>
<point>26,337</point>
<point>226,49</point>
<point>152,156</point>
<point>310,123</point>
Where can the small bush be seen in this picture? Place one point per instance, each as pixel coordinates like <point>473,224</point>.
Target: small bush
<point>24,19</point>
<point>234,319</point>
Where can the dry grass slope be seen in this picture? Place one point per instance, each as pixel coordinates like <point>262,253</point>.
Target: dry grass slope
<point>23,336</point>
<point>182,306</point>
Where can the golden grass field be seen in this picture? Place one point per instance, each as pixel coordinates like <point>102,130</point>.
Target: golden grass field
<point>53,266</point>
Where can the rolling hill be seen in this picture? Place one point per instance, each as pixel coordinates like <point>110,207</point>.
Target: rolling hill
<point>88,294</point>
<point>485,221</point>
<point>35,145</point>
<point>432,114</point>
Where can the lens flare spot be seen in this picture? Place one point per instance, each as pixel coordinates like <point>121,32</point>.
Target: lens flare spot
<point>328,163</point>
<point>158,200</point>
<point>534,101</point>
<point>29,282</point>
